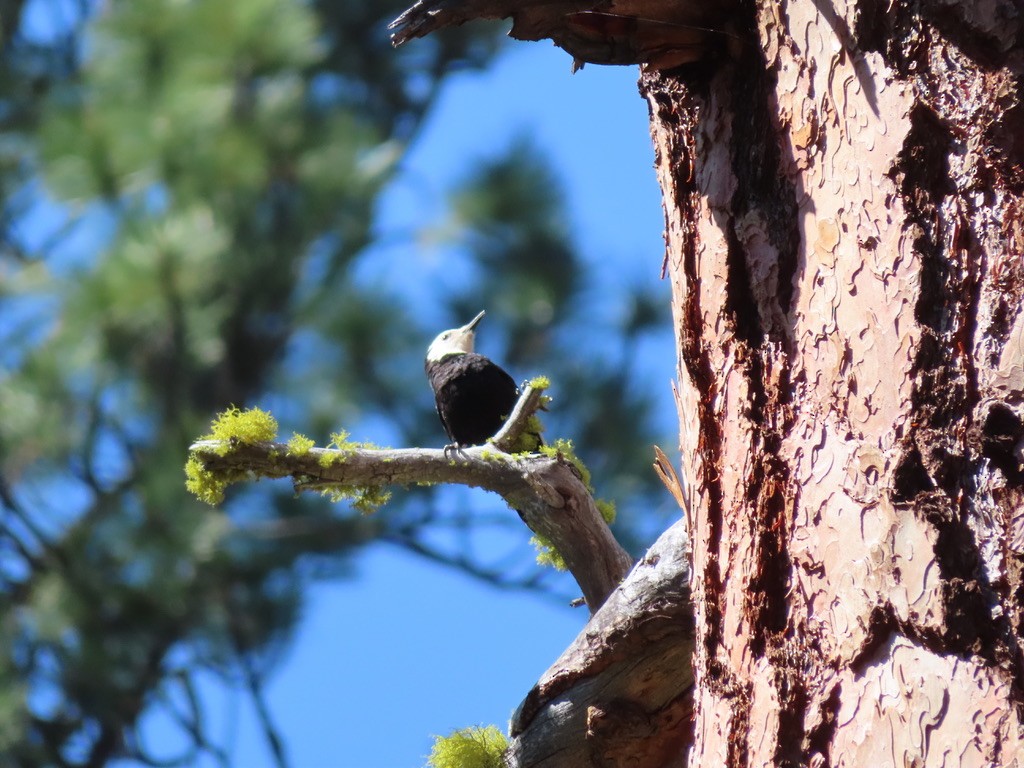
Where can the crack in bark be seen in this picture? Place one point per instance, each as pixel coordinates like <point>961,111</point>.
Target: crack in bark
<point>935,475</point>
<point>672,104</point>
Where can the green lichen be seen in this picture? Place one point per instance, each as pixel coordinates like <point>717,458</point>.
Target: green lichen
<point>252,425</point>
<point>235,427</point>
<point>367,499</point>
<point>564,448</point>
<point>529,440</point>
<point>475,747</point>
<point>607,509</point>
<point>340,441</point>
<point>547,555</point>
<point>364,498</point>
<point>340,448</point>
<point>203,484</point>
<point>230,429</point>
<point>546,552</point>
<point>337,450</point>
<point>299,445</point>
<point>539,382</point>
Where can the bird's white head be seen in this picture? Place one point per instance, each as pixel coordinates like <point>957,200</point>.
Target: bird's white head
<point>455,341</point>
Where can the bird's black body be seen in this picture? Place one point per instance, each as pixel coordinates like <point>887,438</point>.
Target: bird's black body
<point>474,396</point>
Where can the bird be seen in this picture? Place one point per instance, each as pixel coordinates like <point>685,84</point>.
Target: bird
<point>474,395</point>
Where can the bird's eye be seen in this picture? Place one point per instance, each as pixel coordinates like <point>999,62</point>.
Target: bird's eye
<point>446,336</point>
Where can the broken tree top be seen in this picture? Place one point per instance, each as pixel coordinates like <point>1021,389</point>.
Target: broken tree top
<point>660,33</point>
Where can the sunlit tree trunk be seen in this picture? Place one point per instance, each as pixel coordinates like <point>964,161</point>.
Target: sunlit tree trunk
<point>845,234</point>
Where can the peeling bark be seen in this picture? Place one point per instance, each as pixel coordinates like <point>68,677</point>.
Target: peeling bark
<point>843,224</point>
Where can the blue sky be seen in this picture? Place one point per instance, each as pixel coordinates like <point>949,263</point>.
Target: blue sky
<point>406,649</point>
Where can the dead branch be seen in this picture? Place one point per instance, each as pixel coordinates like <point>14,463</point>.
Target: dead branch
<point>661,33</point>
<point>546,491</point>
<point>530,401</point>
<point>621,694</point>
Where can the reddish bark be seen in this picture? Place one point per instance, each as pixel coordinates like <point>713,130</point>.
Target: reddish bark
<point>844,236</point>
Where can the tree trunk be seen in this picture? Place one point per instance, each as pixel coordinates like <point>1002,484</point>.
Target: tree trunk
<point>845,231</point>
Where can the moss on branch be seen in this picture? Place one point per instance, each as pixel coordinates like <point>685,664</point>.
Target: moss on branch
<point>550,488</point>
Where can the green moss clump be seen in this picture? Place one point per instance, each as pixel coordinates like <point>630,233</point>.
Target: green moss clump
<point>202,483</point>
<point>340,448</point>
<point>299,445</point>
<point>230,428</point>
<point>339,441</point>
<point>475,747</point>
<point>529,440</point>
<point>366,499</point>
<point>565,448</point>
<point>607,510</point>
<point>547,554</point>
<point>235,426</point>
<point>253,425</point>
<point>539,382</point>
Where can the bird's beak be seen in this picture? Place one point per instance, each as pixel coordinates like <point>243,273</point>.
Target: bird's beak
<point>468,327</point>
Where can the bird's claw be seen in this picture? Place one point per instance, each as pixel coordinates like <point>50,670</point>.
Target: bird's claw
<point>454,448</point>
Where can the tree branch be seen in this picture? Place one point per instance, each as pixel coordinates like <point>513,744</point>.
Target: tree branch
<point>427,16</point>
<point>254,682</point>
<point>661,33</point>
<point>621,694</point>
<point>546,491</point>
<point>528,404</point>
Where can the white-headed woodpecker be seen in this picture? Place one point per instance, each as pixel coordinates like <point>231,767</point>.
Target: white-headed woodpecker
<point>474,396</point>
